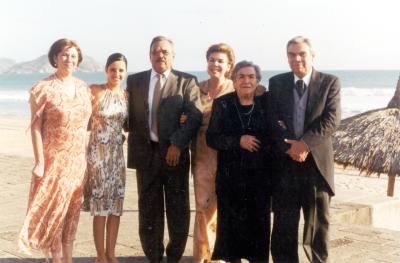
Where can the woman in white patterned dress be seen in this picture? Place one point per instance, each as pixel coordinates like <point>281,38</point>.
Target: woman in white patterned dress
<point>106,165</point>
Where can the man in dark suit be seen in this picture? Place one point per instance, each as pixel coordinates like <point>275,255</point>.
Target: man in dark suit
<point>308,102</point>
<point>158,149</point>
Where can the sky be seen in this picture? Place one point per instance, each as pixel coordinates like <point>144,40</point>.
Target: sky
<point>346,34</point>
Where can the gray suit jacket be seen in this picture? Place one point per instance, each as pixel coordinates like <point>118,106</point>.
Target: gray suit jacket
<point>180,94</point>
<point>322,116</point>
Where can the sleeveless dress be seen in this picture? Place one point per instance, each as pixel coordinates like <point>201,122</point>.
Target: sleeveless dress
<point>106,165</point>
<point>55,198</point>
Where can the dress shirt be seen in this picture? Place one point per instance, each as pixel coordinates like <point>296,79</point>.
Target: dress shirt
<point>152,84</point>
<point>306,79</point>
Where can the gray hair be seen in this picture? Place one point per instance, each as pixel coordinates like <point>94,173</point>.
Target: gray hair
<point>300,40</point>
<point>245,64</point>
<point>162,38</point>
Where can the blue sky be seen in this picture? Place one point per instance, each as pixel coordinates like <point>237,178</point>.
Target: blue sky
<point>352,34</point>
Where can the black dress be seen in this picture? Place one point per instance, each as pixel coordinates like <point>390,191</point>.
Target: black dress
<point>243,179</point>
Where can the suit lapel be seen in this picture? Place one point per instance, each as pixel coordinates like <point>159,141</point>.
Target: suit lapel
<point>169,87</point>
<point>144,92</point>
<point>289,100</point>
<point>313,96</point>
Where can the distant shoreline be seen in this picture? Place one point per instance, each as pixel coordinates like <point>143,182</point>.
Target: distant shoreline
<point>361,90</point>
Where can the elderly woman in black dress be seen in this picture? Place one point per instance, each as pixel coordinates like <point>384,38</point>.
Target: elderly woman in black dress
<point>240,130</point>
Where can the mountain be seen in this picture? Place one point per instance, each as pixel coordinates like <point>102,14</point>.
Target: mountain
<point>42,65</point>
<point>5,64</point>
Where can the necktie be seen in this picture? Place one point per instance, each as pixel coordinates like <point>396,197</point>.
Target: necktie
<point>300,87</point>
<point>154,107</point>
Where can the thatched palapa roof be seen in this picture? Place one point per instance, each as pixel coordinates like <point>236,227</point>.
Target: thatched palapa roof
<point>395,101</point>
<point>370,141</point>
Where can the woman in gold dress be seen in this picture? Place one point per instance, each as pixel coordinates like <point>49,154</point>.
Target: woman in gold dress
<point>220,61</point>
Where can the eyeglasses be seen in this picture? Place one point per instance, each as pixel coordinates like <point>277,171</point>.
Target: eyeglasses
<point>164,52</point>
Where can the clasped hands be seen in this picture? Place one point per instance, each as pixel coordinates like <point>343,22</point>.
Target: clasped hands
<point>298,150</point>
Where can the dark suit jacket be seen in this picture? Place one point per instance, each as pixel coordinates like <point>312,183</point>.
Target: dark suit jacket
<point>180,94</point>
<point>322,116</point>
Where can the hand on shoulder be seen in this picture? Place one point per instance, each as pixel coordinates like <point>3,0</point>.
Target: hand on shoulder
<point>96,90</point>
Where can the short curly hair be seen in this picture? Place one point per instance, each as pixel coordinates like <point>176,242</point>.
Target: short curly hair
<point>245,64</point>
<point>226,49</point>
<point>58,46</point>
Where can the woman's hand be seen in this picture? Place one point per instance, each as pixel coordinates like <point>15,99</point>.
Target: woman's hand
<point>38,170</point>
<point>183,119</point>
<point>250,143</point>
<point>260,90</point>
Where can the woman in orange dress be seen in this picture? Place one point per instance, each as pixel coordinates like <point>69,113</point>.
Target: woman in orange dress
<point>220,61</point>
<point>61,107</point>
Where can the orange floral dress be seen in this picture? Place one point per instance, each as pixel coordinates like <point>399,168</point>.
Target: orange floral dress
<point>55,198</point>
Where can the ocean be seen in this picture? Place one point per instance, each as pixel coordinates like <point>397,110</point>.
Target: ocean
<point>362,90</point>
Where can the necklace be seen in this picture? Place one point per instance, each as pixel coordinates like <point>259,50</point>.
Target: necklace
<point>250,111</point>
<point>249,114</point>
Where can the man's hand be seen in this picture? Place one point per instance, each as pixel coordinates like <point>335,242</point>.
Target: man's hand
<point>173,155</point>
<point>298,150</point>
<point>250,143</point>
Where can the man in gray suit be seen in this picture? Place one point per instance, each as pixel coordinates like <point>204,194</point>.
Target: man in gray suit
<point>158,149</point>
<point>308,102</point>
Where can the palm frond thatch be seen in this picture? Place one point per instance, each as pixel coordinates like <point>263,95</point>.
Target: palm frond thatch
<point>370,141</point>
<point>395,101</point>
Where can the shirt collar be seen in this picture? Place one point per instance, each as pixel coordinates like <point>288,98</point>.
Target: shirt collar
<point>154,73</point>
<point>306,79</point>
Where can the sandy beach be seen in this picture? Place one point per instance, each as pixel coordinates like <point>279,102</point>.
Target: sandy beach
<point>15,140</point>
<point>16,160</point>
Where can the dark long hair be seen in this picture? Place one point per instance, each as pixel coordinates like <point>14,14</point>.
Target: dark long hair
<point>116,57</point>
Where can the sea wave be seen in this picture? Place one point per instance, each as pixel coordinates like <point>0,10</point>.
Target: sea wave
<point>14,95</point>
<point>377,91</point>
<point>353,100</point>
<point>356,100</point>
